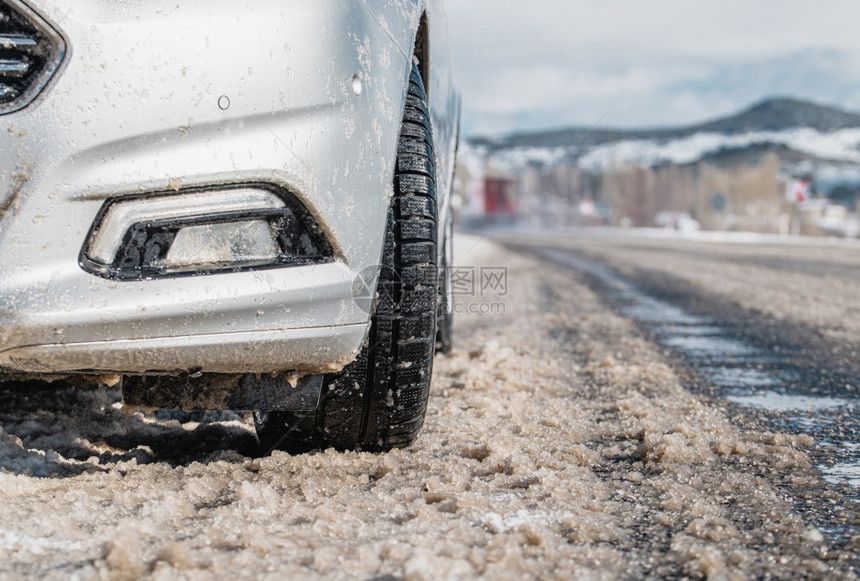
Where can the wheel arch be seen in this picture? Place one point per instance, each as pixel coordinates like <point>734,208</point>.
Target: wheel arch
<point>421,50</point>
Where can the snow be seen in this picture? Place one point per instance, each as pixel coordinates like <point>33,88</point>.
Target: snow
<point>839,146</point>
<point>559,443</point>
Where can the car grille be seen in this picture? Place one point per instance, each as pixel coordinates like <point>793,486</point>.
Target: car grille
<point>30,52</point>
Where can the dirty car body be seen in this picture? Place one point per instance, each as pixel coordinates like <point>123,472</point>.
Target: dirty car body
<point>194,188</point>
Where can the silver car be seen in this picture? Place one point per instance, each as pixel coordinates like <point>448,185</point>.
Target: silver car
<point>240,205</point>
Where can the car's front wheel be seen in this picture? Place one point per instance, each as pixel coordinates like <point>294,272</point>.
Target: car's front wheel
<point>379,401</point>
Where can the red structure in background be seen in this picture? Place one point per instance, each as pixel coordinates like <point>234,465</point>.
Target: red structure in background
<point>498,196</point>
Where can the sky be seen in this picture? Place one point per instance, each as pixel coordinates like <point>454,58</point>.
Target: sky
<point>536,64</point>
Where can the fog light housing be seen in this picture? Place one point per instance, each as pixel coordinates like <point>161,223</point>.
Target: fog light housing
<point>202,232</point>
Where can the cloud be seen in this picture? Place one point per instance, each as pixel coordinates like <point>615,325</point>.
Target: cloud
<point>528,65</point>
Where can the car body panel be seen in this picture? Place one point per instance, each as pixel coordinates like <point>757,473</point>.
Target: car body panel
<point>157,97</point>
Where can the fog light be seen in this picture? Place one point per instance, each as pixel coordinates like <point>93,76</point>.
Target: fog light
<point>202,232</point>
<point>230,242</point>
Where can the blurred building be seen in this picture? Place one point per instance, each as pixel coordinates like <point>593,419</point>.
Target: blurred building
<point>753,193</point>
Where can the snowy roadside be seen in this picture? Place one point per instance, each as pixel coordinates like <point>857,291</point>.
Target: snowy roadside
<point>558,444</point>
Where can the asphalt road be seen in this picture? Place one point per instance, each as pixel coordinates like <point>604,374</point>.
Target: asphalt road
<point>768,346</point>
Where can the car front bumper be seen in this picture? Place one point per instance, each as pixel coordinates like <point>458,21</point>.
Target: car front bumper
<point>170,96</point>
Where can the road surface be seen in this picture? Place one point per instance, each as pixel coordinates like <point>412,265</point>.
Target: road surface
<point>584,427</point>
<point>771,327</point>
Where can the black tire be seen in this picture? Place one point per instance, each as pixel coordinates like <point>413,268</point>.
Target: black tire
<point>378,402</point>
<point>445,311</point>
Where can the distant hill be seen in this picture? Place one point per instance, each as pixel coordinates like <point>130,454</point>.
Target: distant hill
<point>778,114</point>
<point>781,114</point>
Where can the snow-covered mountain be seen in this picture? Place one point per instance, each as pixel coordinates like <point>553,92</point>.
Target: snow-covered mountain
<point>800,132</point>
